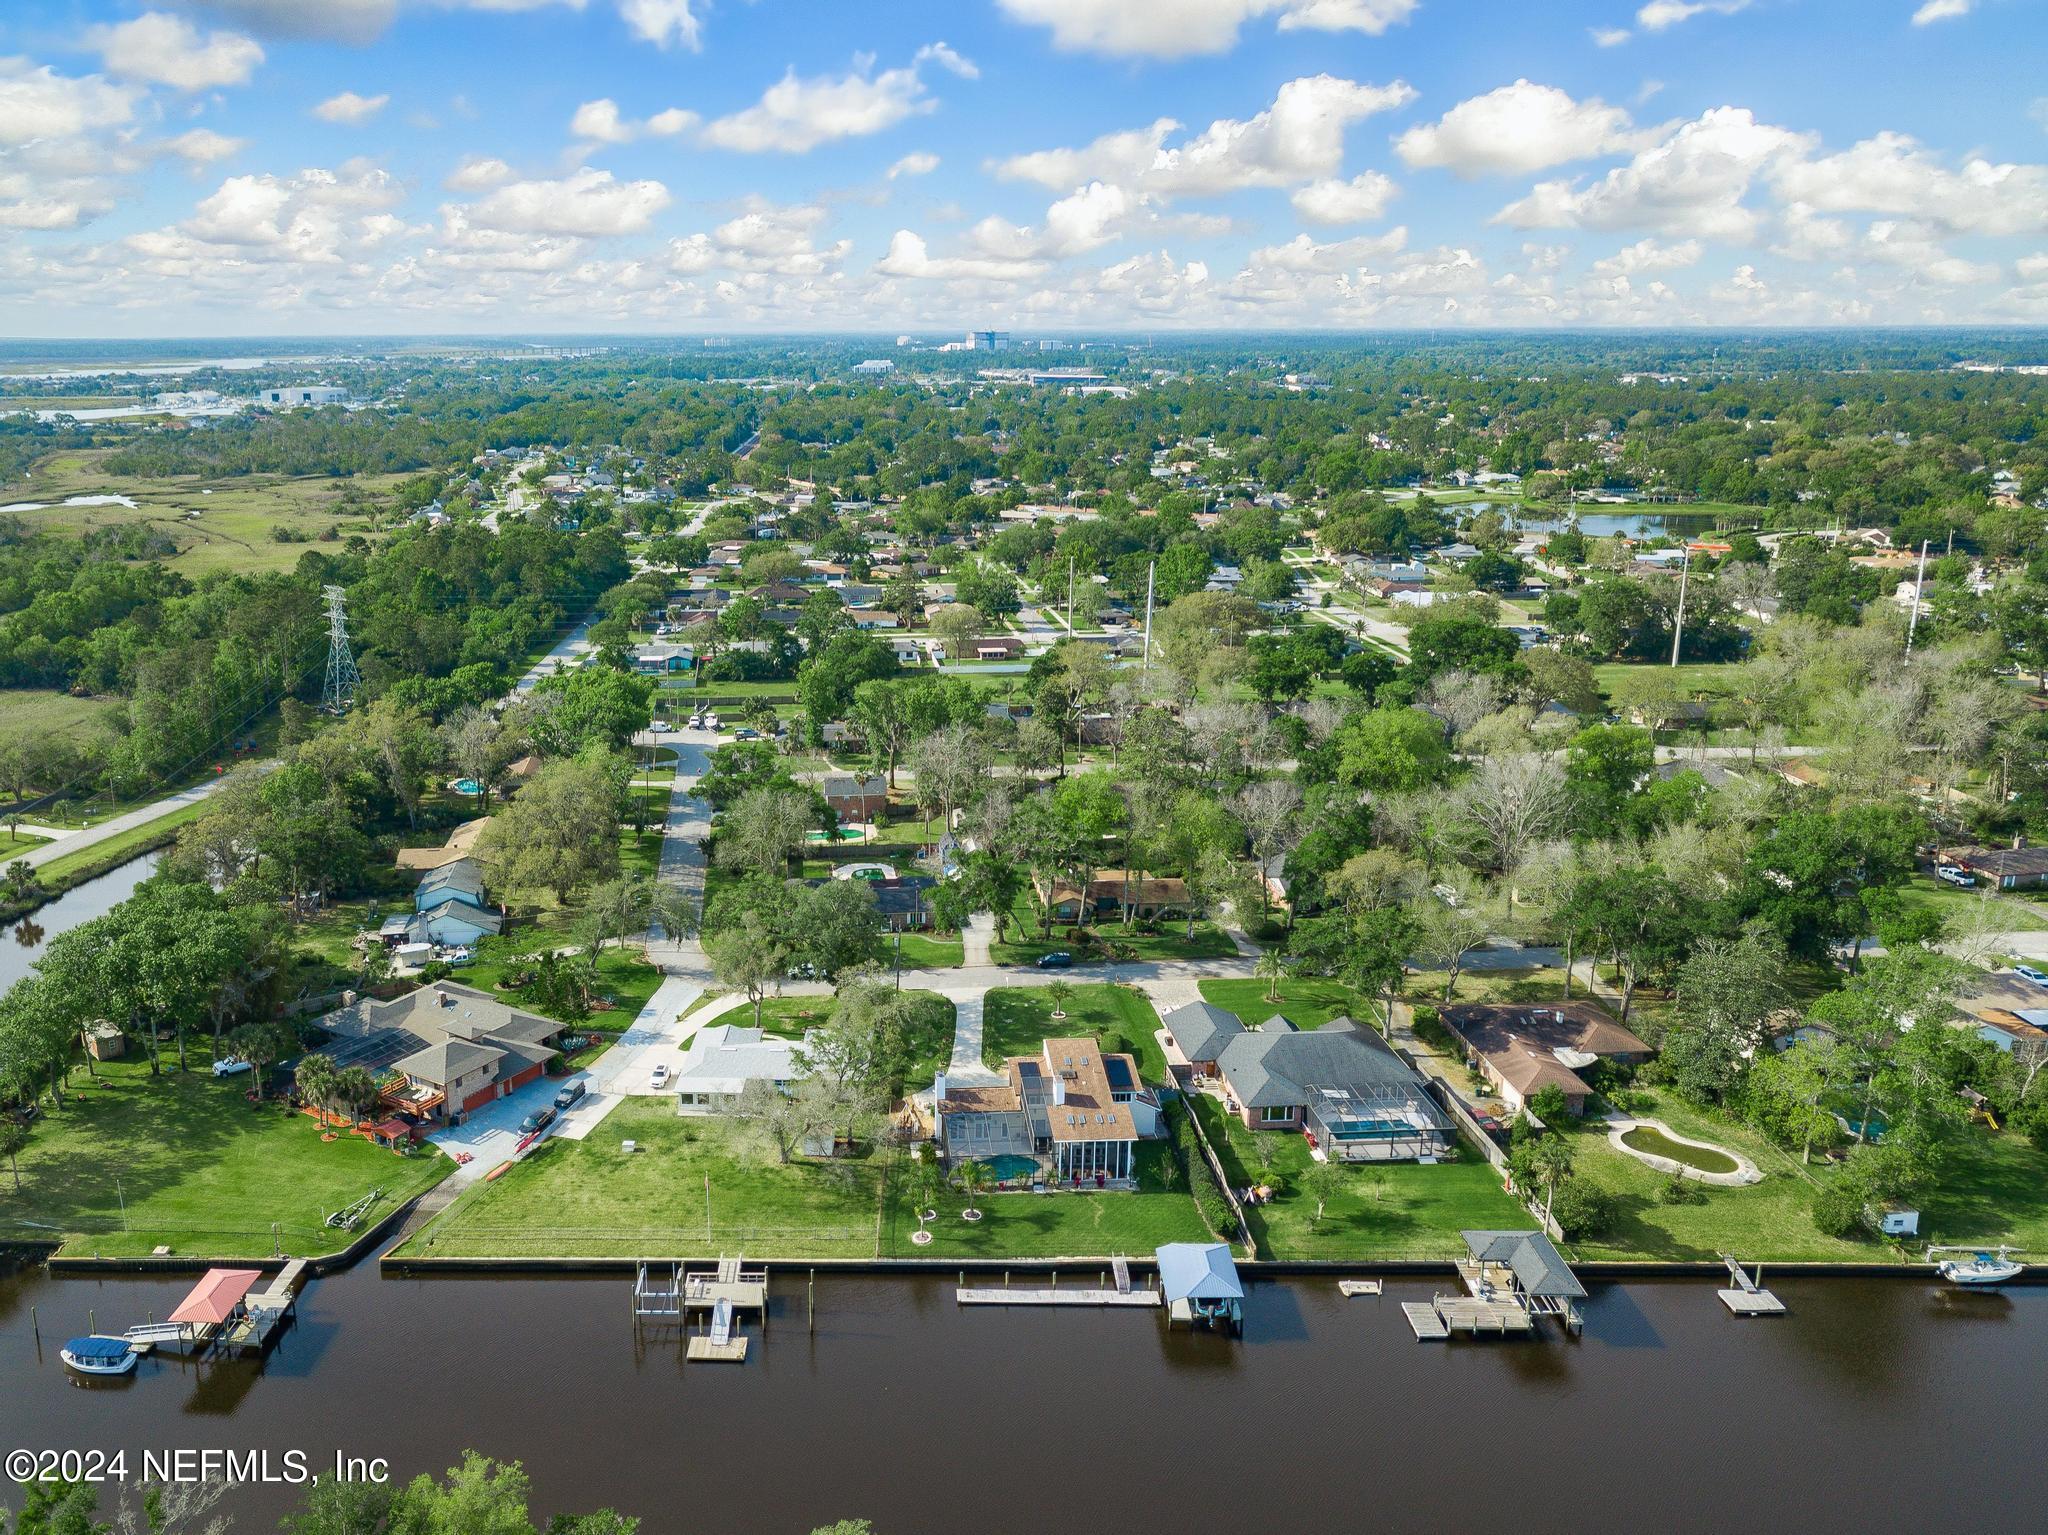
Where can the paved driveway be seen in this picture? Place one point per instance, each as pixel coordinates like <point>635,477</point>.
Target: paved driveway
<point>490,1134</point>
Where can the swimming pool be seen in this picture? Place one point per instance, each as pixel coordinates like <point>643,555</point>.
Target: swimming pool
<point>467,786</point>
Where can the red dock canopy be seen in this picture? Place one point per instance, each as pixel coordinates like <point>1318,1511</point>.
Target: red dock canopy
<point>215,1297</point>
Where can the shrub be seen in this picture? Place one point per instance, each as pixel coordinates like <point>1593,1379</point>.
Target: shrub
<point>1681,1190</point>
<point>1187,1147</point>
<point>1838,1210</point>
<point>1581,1210</point>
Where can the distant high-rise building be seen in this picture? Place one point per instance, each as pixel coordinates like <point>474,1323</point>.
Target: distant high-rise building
<point>987,340</point>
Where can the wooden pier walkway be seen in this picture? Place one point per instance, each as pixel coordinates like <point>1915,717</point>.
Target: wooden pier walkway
<point>1017,1295</point>
<point>1748,1297</point>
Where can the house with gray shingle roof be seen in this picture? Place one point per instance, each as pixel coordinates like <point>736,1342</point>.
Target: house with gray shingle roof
<point>1199,1031</point>
<point>1341,1084</point>
<point>450,1048</point>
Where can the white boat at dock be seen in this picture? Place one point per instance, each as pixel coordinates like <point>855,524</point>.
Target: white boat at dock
<point>96,1354</point>
<point>1983,1268</point>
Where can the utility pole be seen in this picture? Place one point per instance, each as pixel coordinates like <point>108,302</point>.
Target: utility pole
<point>1145,666</point>
<point>342,677</point>
<point>1919,592</point>
<point>1678,626</point>
<point>1070,594</point>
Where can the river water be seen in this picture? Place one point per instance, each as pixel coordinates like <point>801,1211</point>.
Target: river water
<point>23,941</point>
<point>1876,1405</point>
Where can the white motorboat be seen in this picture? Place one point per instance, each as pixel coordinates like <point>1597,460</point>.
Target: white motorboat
<point>98,1355</point>
<point>1981,1267</point>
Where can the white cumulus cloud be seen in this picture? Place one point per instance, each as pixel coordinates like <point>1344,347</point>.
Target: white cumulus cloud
<point>589,203</point>
<point>797,113</point>
<point>1659,15</point>
<point>350,109</point>
<point>169,50</point>
<point>1942,10</point>
<point>1358,201</point>
<point>1692,184</point>
<point>1515,129</point>
<point>918,162</point>
<point>1299,138</point>
<point>1172,29</point>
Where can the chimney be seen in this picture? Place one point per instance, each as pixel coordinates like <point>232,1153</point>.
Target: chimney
<point>938,1089</point>
<point>2019,841</point>
<point>1059,1091</point>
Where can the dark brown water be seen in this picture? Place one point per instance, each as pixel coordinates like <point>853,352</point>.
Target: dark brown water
<point>22,941</point>
<point>1875,1406</point>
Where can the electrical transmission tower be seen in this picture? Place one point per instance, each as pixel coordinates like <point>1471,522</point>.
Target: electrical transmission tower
<point>342,676</point>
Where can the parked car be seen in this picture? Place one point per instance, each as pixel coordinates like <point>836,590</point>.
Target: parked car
<point>2033,973</point>
<point>1954,876</point>
<point>571,1095</point>
<point>1059,959</point>
<point>536,1122</point>
<point>659,1079</point>
<point>657,724</point>
<point>228,1066</point>
<point>746,733</point>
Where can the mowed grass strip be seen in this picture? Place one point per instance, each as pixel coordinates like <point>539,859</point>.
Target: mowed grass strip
<point>186,1161</point>
<point>694,1188</point>
<point>1384,1211</point>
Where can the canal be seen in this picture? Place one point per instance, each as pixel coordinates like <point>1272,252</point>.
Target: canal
<point>22,941</point>
<point>1876,1405</point>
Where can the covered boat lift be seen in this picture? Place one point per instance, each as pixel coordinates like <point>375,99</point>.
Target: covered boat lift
<point>1201,1286</point>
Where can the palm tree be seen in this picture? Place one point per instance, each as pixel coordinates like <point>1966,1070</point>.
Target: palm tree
<point>261,1044</point>
<point>1272,969</point>
<point>924,1193</point>
<point>317,1079</point>
<point>974,1178</point>
<point>355,1091</point>
<point>1061,993</point>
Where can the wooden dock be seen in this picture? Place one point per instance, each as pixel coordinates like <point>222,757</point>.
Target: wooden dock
<point>1421,1315</point>
<point>1121,1268</point>
<point>1052,1295</point>
<point>733,1351</point>
<point>1349,1288</point>
<point>1748,1297</point>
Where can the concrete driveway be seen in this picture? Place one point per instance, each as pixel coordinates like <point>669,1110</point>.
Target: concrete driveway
<point>490,1134</point>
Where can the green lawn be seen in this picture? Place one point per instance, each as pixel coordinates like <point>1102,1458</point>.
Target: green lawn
<point>1714,678</point>
<point>1022,942</point>
<point>1387,1211</point>
<point>1016,1020</point>
<point>1993,1188</point>
<point>1058,1225</point>
<point>1306,1003</point>
<point>590,1199</point>
<point>198,1167</point>
<point>931,1029</point>
<point>623,975</point>
<point>922,951</point>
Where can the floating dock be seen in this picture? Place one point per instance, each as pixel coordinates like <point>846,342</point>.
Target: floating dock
<point>1748,1297</point>
<point>1349,1288</point>
<point>721,1340</point>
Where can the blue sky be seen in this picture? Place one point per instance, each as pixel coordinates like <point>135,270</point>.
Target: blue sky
<point>380,166</point>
